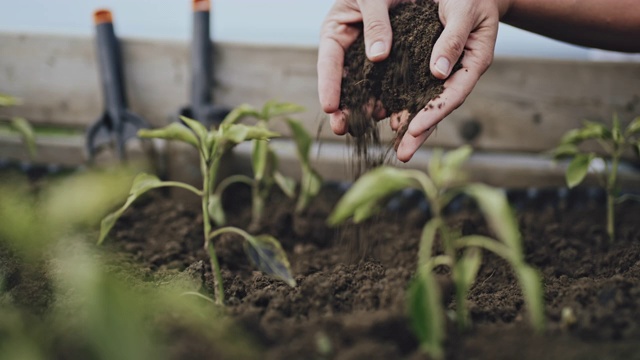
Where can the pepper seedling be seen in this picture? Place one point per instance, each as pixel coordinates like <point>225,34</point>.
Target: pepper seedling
<point>265,163</point>
<point>614,142</point>
<point>263,250</point>
<point>461,254</point>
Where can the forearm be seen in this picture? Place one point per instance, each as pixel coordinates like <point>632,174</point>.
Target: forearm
<point>604,24</point>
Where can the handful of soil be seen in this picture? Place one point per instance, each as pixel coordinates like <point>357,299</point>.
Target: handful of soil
<point>403,81</point>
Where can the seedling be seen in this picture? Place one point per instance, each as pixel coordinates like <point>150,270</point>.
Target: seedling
<point>265,251</point>
<point>461,254</point>
<point>614,142</point>
<point>20,124</point>
<point>265,163</point>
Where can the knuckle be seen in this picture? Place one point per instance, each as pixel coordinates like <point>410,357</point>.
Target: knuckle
<point>375,27</point>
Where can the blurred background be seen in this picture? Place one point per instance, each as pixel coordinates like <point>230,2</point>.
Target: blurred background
<point>247,21</point>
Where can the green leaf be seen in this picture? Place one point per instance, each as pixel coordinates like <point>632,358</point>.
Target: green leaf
<point>495,207</point>
<point>141,184</point>
<point>435,164</point>
<point>302,139</point>
<point>565,150</point>
<point>199,129</point>
<point>310,186</point>
<point>531,284</point>
<point>590,130</point>
<point>616,131</point>
<point>216,212</point>
<point>286,184</point>
<point>173,131</point>
<point>427,238</point>
<point>272,109</point>
<point>465,272</point>
<point>578,168</point>
<point>267,255</point>
<point>22,126</point>
<point>372,187</point>
<point>259,158</point>
<point>237,133</point>
<point>633,127</point>
<point>8,100</point>
<point>450,171</point>
<point>426,313</point>
<point>239,112</point>
<point>366,211</point>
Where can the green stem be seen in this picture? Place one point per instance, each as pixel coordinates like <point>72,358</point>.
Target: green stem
<point>233,179</point>
<point>611,196</point>
<point>206,220</point>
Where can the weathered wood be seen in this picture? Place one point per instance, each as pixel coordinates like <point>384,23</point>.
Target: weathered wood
<point>519,104</point>
<point>519,108</point>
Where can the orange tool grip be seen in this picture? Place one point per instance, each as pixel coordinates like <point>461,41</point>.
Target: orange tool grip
<point>102,16</point>
<point>201,5</point>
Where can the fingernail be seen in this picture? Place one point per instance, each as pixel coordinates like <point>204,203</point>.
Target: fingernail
<point>442,65</point>
<point>377,48</point>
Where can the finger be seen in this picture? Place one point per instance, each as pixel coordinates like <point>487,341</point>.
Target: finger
<point>330,64</point>
<point>379,112</point>
<point>377,28</point>
<point>457,88</point>
<point>394,121</point>
<point>449,46</point>
<point>338,122</point>
<point>410,144</point>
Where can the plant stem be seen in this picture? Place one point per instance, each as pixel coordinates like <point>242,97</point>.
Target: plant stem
<point>207,174</point>
<point>611,189</point>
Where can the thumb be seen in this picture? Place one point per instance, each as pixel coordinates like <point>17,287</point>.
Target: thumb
<point>449,47</point>
<point>377,29</point>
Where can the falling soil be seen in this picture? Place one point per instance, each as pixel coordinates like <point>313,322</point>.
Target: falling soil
<point>347,310</point>
<point>403,81</point>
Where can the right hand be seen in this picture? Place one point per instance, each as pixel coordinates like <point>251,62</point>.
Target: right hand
<point>469,25</point>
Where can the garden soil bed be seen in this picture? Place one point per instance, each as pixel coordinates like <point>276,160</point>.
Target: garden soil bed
<point>349,301</point>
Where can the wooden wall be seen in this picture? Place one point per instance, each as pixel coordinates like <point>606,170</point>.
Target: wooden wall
<point>522,106</point>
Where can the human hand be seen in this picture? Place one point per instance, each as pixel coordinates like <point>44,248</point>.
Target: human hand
<point>469,25</point>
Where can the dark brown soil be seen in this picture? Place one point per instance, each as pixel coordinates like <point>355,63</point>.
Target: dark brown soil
<point>403,81</point>
<point>355,310</point>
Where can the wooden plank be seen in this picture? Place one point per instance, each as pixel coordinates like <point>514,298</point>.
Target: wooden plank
<point>519,105</point>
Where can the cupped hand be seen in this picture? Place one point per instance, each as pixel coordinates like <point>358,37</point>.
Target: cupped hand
<point>469,25</point>
<point>340,29</point>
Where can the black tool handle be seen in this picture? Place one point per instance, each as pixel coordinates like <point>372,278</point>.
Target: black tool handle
<point>201,60</point>
<point>110,62</point>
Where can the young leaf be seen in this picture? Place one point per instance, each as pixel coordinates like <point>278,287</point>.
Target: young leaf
<point>426,313</point>
<point>531,284</point>
<point>370,188</point>
<point>616,131</point>
<point>286,184</point>
<point>578,168</point>
<point>302,138</point>
<point>633,127</point>
<point>267,255</point>
<point>564,150</point>
<point>237,133</point>
<point>450,167</point>
<point>173,131</point>
<point>197,127</point>
<point>496,209</point>
<point>310,186</point>
<point>366,211</point>
<point>141,184</point>
<point>259,158</point>
<point>22,126</point>
<point>216,212</point>
<point>8,100</point>
<point>464,275</point>
<point>240,112</point>
<point>273,109</point>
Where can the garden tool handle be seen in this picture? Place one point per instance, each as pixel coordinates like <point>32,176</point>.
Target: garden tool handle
<point>201,60</point>
<point>111,72</point>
